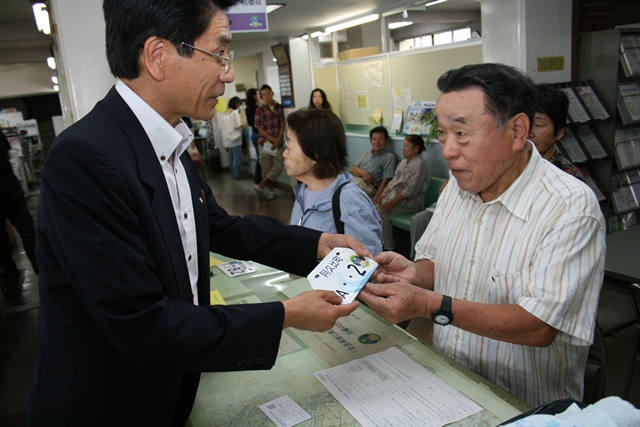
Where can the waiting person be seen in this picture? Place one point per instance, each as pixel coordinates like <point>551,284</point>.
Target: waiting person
<point>13,207</point>
<point>405,193</point>
<point>316,155</point>
<point>125,227</point>
<point>253,102</point>
<point>270,123</point>
<point>231,129</point>
<point>511,265</point>
<point>420,221</point>
<point>552,107</point>
<point>318,99</point>
<point>373,171</point>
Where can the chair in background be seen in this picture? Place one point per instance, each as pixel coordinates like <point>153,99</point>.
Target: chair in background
<point>634,294</point>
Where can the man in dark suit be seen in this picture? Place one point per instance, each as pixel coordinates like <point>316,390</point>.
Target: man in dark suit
<point>125,226</point>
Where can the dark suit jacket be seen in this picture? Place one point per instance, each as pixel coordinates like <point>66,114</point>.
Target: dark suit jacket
<point>120,341</point>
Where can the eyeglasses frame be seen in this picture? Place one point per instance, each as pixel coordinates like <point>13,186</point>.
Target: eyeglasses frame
<point>227,60</point>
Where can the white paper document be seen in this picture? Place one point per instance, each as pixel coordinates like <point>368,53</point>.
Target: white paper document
<point>391,389</point>
<point>284,412</point>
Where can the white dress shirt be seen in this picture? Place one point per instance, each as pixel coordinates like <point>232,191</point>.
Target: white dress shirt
<point>540,245</point>
<point>169,143</point>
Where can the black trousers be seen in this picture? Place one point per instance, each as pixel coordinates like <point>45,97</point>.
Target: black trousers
<point>13,207</point>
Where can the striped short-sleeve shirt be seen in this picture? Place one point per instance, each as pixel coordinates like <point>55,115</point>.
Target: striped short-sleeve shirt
<point>540,245</point>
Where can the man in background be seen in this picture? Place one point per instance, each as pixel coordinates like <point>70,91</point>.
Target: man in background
<point>270,122</point>
<point>373,171</point>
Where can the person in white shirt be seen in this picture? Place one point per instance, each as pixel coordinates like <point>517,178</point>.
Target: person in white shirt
<point>511,265</point>
<point>231,130</point>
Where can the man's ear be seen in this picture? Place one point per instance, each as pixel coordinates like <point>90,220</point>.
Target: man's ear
<point>560,134</point>
<point>521,125</point>
<point>154,57</point>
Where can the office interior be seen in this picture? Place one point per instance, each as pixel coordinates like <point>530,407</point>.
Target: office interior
<point>370,72</point>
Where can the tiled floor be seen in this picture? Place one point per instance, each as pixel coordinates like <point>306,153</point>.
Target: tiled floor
<point>18,324</point>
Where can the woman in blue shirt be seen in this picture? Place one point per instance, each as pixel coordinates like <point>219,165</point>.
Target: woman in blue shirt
<point>316,155</point>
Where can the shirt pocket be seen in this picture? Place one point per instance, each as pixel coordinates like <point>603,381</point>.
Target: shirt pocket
<point>506,289</point>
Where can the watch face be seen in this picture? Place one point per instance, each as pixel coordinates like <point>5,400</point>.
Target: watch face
<point>441,319</point>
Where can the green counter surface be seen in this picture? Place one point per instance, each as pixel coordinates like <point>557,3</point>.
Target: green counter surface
<point>233,398</point>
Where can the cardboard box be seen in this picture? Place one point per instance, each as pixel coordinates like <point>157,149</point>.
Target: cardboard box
<point>357,53</point>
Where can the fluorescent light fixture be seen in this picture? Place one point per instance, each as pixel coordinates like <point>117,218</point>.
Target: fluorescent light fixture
<point>431,3</point>
<point>51,62</point>
<point>304,37</point>
<point>56,88</point>
<point>394,25</point>
<point>353,23</point>
<point>42,17</point>
<point>319,33</point>
<point>273,7</point>
<point>54,79</point>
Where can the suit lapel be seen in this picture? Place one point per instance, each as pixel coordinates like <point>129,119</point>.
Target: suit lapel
<point>150,173</point>
<point>201,214</point>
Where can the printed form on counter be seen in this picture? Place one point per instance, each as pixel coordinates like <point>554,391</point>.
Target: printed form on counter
<point>391,389</point>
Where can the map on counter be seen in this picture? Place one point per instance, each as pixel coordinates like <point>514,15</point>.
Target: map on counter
<point>228,287</point>
<point>230,405</point>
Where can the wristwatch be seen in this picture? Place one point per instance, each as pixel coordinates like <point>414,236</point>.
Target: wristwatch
<point>443,315</point>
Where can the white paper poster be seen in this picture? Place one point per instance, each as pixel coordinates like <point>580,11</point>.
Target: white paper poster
<point>373,77</point>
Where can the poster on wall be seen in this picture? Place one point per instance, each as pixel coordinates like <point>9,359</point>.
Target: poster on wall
<point>416,119</point>
<point>373,77</point>
<point>362,100</point>
<point>346,92</point>
<point>401,98</point>
<point>248,16</point>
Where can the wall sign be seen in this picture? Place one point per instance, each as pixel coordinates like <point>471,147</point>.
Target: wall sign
<point>248,16</point>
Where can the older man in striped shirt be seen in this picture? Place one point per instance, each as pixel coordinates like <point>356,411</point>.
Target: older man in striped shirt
<point>511,265</point>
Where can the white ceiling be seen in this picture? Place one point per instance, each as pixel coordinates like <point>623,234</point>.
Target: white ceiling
<point>21,42</point>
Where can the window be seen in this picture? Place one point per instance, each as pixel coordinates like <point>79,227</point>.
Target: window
<point>462,34</point>
<point>443,37</point>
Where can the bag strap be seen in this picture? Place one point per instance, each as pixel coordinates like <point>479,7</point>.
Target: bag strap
<point>335,206</point>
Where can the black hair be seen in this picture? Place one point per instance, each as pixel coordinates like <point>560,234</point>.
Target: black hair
<point>554,103</point>
<point>321,137</point>
<point>508,91</point>
<point>416,141</point>
<point>325,103</point>
<point>379,129</point>
<point>130,23</point>
<point>251,97</point>
<point>234,102</point>
<point>265,86</point>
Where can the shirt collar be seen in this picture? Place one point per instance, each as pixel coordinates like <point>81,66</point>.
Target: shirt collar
<point>164,138</point>
<point>518,198</point>
<point>384,150</point>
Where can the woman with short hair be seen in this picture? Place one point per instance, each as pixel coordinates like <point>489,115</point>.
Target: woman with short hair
<point>316,155</point>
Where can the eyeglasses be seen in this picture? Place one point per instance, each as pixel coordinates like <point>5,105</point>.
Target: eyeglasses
<point>227,60</point>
